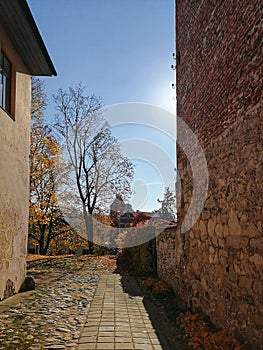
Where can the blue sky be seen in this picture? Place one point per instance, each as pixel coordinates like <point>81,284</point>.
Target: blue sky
<point>120,50</point>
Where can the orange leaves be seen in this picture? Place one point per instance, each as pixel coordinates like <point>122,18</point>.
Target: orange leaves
<point>160,287</point>
<point>157,286</point>
<point>148,283</point>
<point>194,317</point>
<point>139,219</point>
<point>201,337</point>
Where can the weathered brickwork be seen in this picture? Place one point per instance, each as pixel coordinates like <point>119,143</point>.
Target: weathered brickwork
<point>217,266</point>
<point>220,70</point>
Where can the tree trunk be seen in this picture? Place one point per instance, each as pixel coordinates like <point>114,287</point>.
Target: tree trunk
<point>89,228</point>
<point>42,229</point>
<point>49,236</point>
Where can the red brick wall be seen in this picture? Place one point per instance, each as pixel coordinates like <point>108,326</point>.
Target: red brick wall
<point>220,70</point>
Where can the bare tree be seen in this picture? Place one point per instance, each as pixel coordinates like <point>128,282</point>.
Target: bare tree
<point>100,169</point>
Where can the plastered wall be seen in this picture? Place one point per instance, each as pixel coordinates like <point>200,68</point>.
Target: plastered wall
<point>14,176</point>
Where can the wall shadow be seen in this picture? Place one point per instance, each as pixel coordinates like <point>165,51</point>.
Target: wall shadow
<point>159,321</point>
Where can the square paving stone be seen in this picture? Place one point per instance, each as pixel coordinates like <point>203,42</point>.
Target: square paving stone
<point>105,334</point>
<point>140,334</point>
<point>106,339</point>
<point>122,324</point>
<point>121,313</point>
<point>86,346</point>
<point>143,347</point>
<point>107,323</point>
<point>105,346</point>
<point>106,328</point>
<point>141,341</point>
<point>124,346</point>
<point>119,340</point>
<point>123,334</point>
<point>138,329</point>
<point>122,329</point>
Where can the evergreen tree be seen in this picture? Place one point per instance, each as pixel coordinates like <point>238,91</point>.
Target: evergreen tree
<point>168,207</point>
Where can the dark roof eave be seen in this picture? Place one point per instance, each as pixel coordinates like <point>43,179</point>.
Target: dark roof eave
<point>38,36</point>
<point>20,26</point>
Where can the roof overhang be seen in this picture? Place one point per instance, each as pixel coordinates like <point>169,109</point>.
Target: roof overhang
<point>20,26</point>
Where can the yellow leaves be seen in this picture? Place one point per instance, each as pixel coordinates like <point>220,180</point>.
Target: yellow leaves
<point>44,167</point>
<point>104,219</point>
<point>68,240</point>
<point>201,337</point>
<point>45,217</point>
<point>121,239</point>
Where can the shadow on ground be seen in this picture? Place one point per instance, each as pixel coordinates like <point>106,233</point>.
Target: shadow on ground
<point>167,331</point>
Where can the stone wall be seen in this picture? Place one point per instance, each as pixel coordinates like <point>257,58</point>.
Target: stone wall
<point>217,266</point>
<point>139,260</point>
<point>14,177</point>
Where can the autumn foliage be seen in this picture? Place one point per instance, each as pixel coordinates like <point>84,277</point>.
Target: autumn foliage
<point>47,226</point>
<point>201,337</point>
<point>139,219</point>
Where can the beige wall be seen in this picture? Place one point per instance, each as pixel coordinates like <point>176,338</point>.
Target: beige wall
<point>14,177</point>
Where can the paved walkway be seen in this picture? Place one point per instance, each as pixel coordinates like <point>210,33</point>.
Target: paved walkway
<point>117,319</point>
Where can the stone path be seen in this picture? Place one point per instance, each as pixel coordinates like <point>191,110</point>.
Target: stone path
<point>80,303</point>
<point>52,316</point>
<point>117,319</point>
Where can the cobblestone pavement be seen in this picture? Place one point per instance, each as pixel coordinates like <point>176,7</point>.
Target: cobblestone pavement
<point>52,317</point>
<point>118,320</point>
<point>80,304</point>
